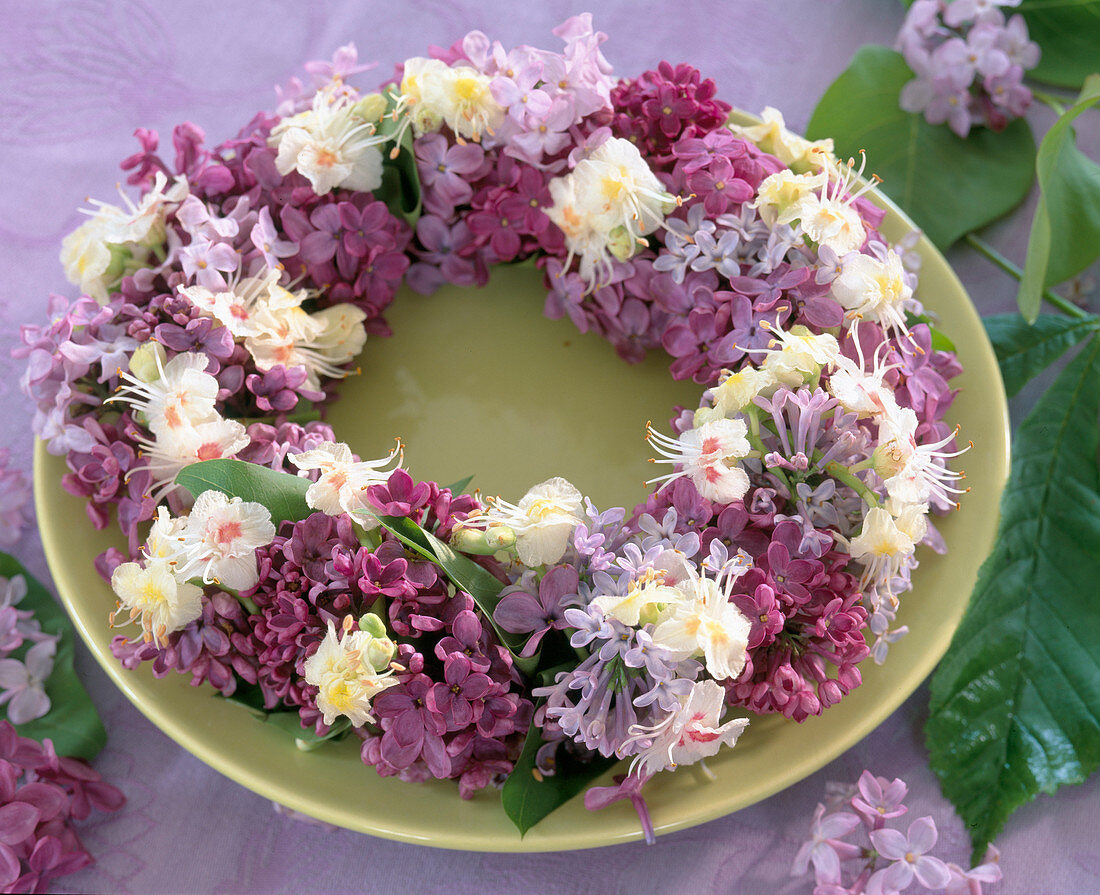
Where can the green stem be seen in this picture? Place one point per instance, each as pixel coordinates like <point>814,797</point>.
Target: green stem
<point>247,603</point>
<point>841,473</point>
<point>985,249</point>
<point>1051,100</point>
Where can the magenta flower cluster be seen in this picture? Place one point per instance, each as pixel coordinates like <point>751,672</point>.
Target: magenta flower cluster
<point>861,846</point>
<point>41,795</point>
<point>969,63</point>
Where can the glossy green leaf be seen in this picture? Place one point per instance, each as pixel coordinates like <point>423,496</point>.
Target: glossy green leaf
<point>283,494</point>
<point>947,185</point>
<point>1015,704</point>
<point>466,574</point>
<point>72,721</point>
<point>1065,232</point>
<point>528,796</point>
<point>1068,32</point>
<point>1026,349</point>
<point>400,188</point>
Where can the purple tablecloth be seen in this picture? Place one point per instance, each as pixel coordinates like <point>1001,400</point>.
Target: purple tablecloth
<point>76,78</point>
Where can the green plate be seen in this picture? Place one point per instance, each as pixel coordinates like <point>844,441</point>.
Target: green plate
<point>477,381</point>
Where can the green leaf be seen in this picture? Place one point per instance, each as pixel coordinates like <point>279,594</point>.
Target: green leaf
<point>1065,232</point>
<point>463,572</point>
<point>283,494</point>
<point>1015,706</point>
<point>400,188</point>
<point>948,186</point>
<point>1068,32</point>
<point>72,721</point>
<point>304,737</point>
<point>460,486</point>
<point>528,798</point>
<point>1025,349</point>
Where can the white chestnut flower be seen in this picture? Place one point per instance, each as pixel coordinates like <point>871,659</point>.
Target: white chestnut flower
<point>705,624</point>
<point>772,136</point>
<point>173,449</point>
<point>708,456</point>
<point>220,539</point>
<point>543,520</point>
<point>885,543</point>
<point>687,735</point>
<point>344,480</point>
<point>457,96</point>
<point>872,289</point>
<point>330,145</point>
<point>347,672</point>
<point>155,599</point>
<point>180,395</point>
<point>798,354</point>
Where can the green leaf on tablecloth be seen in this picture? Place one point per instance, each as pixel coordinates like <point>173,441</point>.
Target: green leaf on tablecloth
<point>947,185</point>
<point>283,494</point>
<point>528,795</point>
<point>1068,32</point>
<point>72,721</point>
<point>1015,704</point>
<point>400,188</point>
<point>1026,349</point>
<point>1065,232</point>
<point>463,572</point>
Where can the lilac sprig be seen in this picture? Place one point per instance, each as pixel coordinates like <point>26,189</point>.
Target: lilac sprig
<point>855,851</point>
<point>969,63</point>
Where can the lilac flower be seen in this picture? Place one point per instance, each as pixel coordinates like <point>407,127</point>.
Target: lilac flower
<point>520,612</point>
<point>721,255</point>
<point>265,237</point>
<point>14,497</point>
<point>824,850</point>
<point>969,882</point>
<point>879,801</point>
<point>908,852</point>
<point>446,171</point>
<point>205,261</point>
<point>23,683</point>
<point>627,786</point>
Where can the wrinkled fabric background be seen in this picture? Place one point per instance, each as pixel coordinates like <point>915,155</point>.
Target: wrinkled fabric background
<point>76,78</point>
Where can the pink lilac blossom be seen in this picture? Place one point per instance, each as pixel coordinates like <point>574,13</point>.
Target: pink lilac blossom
<point>41,795</point>
<point>15,495</point>
<point>863,853</point>
<point>968,61</point>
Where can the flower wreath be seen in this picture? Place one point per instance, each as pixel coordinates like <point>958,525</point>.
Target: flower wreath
<point>449,633</point>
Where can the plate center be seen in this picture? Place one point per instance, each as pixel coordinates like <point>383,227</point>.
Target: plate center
<point>476,381</point>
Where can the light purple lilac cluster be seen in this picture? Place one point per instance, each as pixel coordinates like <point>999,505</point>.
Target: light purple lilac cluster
<point>41,794</point>
<point>969,63</point>
<point>23,680</point>
<point>858,847</point>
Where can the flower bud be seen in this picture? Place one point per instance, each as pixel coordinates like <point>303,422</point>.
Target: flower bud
<point>146,362</point>
<point>483,543</point>
<point>371,107</point>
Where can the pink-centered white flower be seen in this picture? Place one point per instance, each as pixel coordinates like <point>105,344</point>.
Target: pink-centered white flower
<point>172,449</point>
<point>330,145</point>
<point>708,456</point>
<point>860,391</point>
<point>155,599</point>
<point>239,306</point>
<point>706,625</point>
<point>347,672</point>
<point>686,735</point>
<point>220,539</point>
<point>342,485</point>
<point>543,520</point>
<point>181,395</point>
